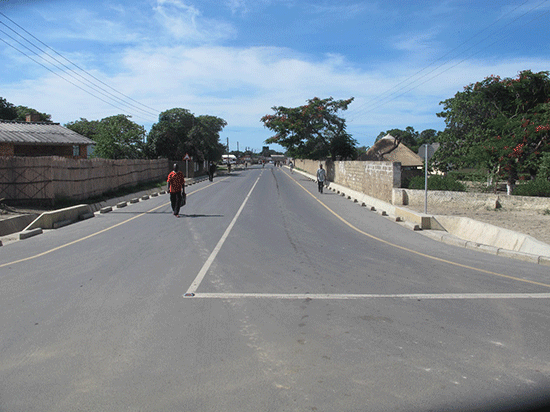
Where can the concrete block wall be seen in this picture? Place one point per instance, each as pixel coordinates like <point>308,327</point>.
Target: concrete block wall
<point>376,179</point>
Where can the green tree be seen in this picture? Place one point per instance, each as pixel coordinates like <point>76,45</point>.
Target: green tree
<point>361,150</point>
<point>84,127</point>
<point>312,131</point>
<point>23,111</point>
<point>204,138</point>
<point>7,110</point>
<point>168,137</point>
<point>118,137</point>
<point>501,124</point>
<point>19,113</point>
<point>178,132</point>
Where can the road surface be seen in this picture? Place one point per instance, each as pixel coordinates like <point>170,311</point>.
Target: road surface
<point>265,296</point>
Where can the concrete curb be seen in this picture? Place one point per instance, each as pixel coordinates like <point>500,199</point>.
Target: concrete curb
<point>25,234</point>
<point>26,226</point>
<point>466,232</point>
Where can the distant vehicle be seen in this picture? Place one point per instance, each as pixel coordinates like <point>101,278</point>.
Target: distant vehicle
<point>231,159</point>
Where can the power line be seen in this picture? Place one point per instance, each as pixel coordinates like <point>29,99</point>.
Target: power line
<point>458,63</point>
<point>18,42</point>
<point>57,74</point>
<point>144,109</point>
<point>383,99</point>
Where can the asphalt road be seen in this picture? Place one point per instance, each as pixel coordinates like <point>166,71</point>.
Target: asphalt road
<point>296,302</point>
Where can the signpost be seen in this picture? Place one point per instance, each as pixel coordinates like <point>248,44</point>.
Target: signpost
<point>426,151</point>
<point>186,158</point>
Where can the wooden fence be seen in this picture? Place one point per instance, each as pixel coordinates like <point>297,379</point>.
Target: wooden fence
<point>45,179</point>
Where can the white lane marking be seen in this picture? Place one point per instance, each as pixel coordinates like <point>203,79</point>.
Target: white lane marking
<point>202,273</point>
<point>418,296</point>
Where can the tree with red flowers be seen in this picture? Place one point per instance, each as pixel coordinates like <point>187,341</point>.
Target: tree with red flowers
<point>502,124</point>
<point>312,131</point>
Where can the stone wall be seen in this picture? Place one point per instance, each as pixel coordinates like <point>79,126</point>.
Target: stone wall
<point>45,179</point>
<point>376,179</point>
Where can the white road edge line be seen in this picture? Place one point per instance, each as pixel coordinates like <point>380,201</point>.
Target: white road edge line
<point>418,296</point>
<point>202,273</point>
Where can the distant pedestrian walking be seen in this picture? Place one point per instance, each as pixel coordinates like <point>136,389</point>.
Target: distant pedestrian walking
<point>176,188</point>
<point>321,177</point>
<point>211,171</point>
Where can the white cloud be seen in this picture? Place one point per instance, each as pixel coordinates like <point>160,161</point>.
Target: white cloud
<point>186,24</point>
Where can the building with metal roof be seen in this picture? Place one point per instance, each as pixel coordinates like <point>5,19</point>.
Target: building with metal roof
<point>41,139</point>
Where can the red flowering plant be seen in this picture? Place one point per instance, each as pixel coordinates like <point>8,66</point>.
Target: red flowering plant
<point>312,131</point>
<point>501,124</point>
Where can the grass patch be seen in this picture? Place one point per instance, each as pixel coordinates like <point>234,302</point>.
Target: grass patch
<point>437,182</point>
<point>538,187</point>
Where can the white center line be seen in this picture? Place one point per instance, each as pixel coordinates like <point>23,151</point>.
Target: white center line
<point>202,273</point>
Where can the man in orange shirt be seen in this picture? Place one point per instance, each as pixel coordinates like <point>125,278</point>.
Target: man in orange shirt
<point>176,187</point>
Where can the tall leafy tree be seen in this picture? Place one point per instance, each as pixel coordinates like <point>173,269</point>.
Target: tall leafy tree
<point>169,137</point>
<point>204,138</point>
<point>23,111</point>
<point>312,131</point>
<point>178,132</point>
<point>118,137</point>
<point>88,128</point>
<point>7,110</point>
<point>502,124</point>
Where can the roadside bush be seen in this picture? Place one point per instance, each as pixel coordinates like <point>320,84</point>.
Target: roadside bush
<point>479,176</point>
<point>437,182</point>
<point>537,187</point>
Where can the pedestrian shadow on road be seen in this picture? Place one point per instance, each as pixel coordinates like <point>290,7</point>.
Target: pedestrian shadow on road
<point>195,215</point>
<point>168,212</point>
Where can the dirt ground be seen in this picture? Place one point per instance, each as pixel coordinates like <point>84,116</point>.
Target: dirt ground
<point>530,222</point>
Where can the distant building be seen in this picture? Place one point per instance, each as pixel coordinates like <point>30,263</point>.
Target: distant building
<point>381,151</point>
<point>278,158</point>
<point>385,150</point>
<point>41,139</point>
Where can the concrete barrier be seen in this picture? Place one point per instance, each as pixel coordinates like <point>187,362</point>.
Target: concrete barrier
<point>16,223</point>
<point>487,234</point>
<point>47,219</point>
<point>25,234</point>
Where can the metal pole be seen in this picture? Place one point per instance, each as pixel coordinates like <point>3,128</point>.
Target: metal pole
<point>426,179</point>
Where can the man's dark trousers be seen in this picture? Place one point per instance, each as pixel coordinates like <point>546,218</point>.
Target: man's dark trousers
<point>176,200</point>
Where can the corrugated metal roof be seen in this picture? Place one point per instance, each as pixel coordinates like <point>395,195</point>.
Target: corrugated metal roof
<point>39,134</point>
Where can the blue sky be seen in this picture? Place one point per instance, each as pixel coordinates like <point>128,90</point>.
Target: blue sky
<point>236,59</point>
